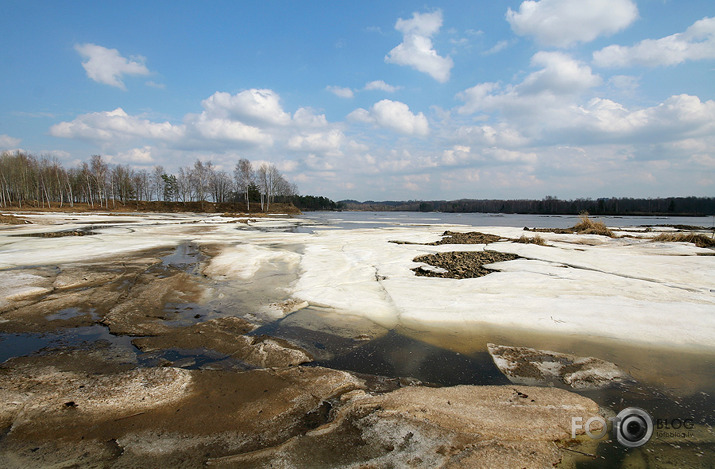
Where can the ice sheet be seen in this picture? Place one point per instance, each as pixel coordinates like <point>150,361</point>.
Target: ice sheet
<point>631,290</point>
<point>627,289</point>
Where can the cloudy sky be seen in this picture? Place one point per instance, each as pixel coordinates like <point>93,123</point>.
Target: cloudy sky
<point>373,99</point>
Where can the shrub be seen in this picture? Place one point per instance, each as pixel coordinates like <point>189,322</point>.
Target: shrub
<point>588,226</point>
<point>535,240</point>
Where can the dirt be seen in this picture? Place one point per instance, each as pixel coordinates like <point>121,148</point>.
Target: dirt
<point>9,219</point>
<point>473,237</point>
<point>461,265</point>
<point>227,336</point>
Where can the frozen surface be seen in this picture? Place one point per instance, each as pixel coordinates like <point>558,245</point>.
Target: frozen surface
<point>628,289</point>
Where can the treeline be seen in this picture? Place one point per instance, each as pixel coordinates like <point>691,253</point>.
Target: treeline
<point>43,182</point>
<point>688,206</point>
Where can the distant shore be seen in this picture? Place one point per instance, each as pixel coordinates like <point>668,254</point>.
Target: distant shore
<point>159,206</point>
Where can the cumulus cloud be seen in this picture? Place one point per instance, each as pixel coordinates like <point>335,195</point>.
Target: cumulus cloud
<point>135,155</point>
<point>696,43</point>
<point>393,115</point>
<point>306,117</point>
<point>340,91</point>
<point>108,66</point>
<point>254,106</point>
<point>7,142</point>
<point>326,142</point>
<point>560,79</point>
<point>115,125</point>
<point>227,130</point>
<point>381,86</point>
<point>562,23</point>
<point>679,117</point>
<point>416,49</point>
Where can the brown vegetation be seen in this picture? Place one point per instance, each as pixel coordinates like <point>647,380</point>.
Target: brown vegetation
<point>9,219</point>
<point>535,240</point>
<point>589,226</point>
<point>585,226</point>
<point>700,240</point>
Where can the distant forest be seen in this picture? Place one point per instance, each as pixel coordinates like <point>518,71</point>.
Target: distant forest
<point>686,206</point>
<point>28,180</point>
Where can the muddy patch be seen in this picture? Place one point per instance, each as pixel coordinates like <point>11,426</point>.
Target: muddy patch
<point>57,234</point>
<point>317,417</point>
<point>460,265</point>
<point>227,336</point>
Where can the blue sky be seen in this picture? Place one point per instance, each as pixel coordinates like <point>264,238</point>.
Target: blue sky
<point>375,100</point>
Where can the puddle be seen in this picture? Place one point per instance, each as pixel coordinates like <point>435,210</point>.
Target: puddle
<point>192,359</point>
<point>186,257</point>
<point>20,345</point>
<point>396,355</point>
<point>70,313</point>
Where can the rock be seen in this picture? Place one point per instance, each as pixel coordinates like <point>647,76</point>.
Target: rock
<point>461,426</point>
<point>227,336</point>
<point>143,312</point>
<point>523,365</point>
<point>157,417</point>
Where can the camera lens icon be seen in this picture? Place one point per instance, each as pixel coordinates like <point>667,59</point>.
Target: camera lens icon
<point>634,427</point>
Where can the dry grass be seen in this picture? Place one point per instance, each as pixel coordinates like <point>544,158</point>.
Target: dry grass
<point>589,226</point>
<point>13,220</point>
<point>700,240</point>
<point>535,240</point>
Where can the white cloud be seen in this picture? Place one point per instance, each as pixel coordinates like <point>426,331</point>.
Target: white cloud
<point>254,106</point>
<point>381,86</point>
<point>108,66</point>
<point>696,43</point>
<point>306,117</point>
<point>227,130</point>
<point>7,142</point>
<point>562,23</point>
<point>510,156</point>
<point>554,86</point>
<point>153,84</point>
<point>340,91</point>
<point>416,49</point>
<point>135,155</point>
<point>393,115</point>
<point>112,125</point>
<point>326,142</point>
<point>676,118</point>
<point>498,47</point>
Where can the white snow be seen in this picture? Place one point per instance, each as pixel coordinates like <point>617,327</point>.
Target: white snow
<point>626,289</point>
<point>631,290</point>
<point>244,260</point>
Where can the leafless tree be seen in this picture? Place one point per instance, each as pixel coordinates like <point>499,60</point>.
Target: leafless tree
<point>157,182</point>
<point>244,177</point>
